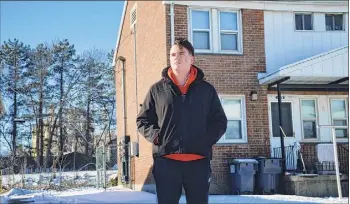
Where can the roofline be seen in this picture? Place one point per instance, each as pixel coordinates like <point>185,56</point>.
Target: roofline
<point>280,2</point>
<point>313,6</point>
<point>278,72</point>
<point>119,32</point>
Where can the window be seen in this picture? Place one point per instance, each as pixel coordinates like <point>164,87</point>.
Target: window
<point>287,123</point>
<point>201,29</point>
<point>303,22</point>
<point>228,31</point>
<point>235,113</point>
<point>309,119</point>
<point>339,117</point>
<point>215,31</point>
<point>334,22</point>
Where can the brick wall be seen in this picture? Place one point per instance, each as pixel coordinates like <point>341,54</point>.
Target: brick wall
<point>230,74</point>
<point>234,75</point>
<point>151,58</point>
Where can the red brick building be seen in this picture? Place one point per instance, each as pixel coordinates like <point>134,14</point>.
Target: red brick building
<point>244,49</point>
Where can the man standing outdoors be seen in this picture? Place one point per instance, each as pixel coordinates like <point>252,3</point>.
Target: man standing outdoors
<point>182,116</point>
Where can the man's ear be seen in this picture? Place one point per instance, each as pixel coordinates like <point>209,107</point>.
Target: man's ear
<point>192,60</point>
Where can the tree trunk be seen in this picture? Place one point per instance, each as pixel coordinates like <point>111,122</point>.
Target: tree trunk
<point>49,142</point>
<point>14,124</point>
<point>87,135</point>
<point>41,124</point>
<point>37,143</point>
<point>60,112</point>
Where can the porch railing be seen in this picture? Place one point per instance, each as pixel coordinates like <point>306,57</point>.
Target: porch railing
<point>308,156</point>
<point>343,156</point>
<point>290,157</point>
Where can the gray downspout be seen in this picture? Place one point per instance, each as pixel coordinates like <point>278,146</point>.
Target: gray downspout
<point>123,93</point>
<point>172,23</point>
<point>136,88</point>
<point>137,109</point>
<point>122,59</point>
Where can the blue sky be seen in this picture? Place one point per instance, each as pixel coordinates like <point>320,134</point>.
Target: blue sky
<point>86,24</point>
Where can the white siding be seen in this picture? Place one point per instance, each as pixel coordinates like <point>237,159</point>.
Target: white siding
<point>284,45</point>
<point>334,64</point>
<point>324,68</point>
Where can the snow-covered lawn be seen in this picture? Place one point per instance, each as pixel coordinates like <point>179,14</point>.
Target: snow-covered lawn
<point>37,180</point>
<point>122,195</point>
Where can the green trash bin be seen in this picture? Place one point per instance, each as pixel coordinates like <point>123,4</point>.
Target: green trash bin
<point>242,173</point>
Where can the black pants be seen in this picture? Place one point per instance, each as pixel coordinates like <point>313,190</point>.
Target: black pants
<point>170,175</point>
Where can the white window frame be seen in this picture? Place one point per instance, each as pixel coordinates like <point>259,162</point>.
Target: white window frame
<point>346,116</point>
<point>312,21</point>
<point>210,30</point>
<point>243,119</point>
<point>309,119</point>
<point>229,31</point>
<point>215,41</point>
<point>333,20</point>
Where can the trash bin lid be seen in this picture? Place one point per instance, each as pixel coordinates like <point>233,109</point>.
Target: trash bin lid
<point>245,161</point>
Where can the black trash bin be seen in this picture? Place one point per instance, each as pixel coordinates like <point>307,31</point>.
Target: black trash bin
<point>242,173</point>
<point>268,175</point>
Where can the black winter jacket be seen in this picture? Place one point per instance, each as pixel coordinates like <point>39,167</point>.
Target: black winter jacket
<point>190,123</point>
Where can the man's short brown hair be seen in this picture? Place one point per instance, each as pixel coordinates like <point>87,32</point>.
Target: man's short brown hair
<point>183,42</point>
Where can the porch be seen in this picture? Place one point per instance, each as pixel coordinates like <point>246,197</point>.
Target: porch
<point>302,96</point>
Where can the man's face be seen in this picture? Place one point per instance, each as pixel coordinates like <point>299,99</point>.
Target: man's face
<point>180,59</point>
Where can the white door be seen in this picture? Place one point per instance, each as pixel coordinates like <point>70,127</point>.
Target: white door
<point>288,128</point>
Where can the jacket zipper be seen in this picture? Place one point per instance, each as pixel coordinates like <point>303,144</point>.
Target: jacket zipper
<point>183,107</point>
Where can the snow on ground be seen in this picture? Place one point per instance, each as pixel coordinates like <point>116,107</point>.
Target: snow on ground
<point>37,179</point>
<point>123,195</point>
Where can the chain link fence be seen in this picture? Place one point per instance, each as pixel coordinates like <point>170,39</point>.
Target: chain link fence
<point>106,166</point>
<point>72,170</point>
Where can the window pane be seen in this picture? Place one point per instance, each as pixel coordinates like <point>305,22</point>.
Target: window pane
<point>200,19</point>
<point>228,42</point>
<point>338,109</point>
<point>309,129</point>
<point>341,133</point>
<point>228,21</point>
<point>339,122</point>
<point>287,123</point>
<point>232,108</point>
<point>338,22</point>
<point>308,108</point>
<point>329,22</point>
<point>201,40</point>
<point>234,130</point>
<point>307,22</point>
<point>298,22</point>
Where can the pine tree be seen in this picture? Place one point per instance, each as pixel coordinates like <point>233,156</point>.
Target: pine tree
<point>40,89</point>
<point>14,58</point>
<point>64,64</point>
